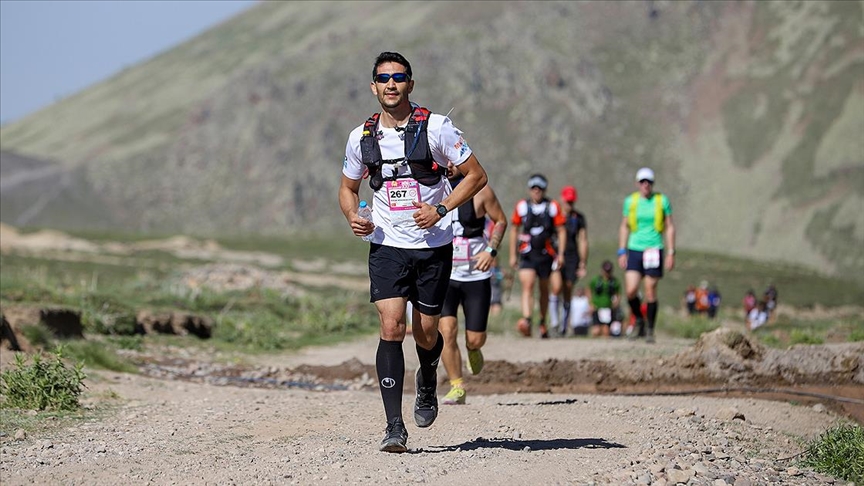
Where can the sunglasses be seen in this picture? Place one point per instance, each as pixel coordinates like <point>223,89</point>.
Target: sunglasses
<point>643,181</point>
<point>383,78</point>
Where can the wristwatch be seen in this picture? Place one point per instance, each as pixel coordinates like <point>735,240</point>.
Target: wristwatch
<point>492,251</point>
<point>441,210</point>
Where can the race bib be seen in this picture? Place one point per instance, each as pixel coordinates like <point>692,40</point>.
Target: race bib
<point>604,315</point>
<point>401,195</point>
<point>461,251</point>
<point>651,258</point>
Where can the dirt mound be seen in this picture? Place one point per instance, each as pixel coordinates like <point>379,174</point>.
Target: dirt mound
<point>722,361</point>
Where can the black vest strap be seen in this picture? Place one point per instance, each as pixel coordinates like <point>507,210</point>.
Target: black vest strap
<point>418,155</point>
<point>472,226</point>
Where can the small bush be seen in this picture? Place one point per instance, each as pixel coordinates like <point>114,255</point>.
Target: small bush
<point>43,384</point>
<point>839,451</point>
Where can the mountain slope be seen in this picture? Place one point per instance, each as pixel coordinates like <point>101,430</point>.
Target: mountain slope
<point>749,112</point>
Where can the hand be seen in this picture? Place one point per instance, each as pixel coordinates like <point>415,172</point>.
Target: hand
<point>670,262</point>
<point>361,226</point>
<point>581,272</point>
<point>513,262</point>
<point>561,260</point>
<point>483,261</point>
<point>622,261</point>
<point>426,216</point>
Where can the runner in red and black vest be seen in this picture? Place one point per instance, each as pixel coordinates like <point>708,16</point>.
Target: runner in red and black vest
<point>537,219</point>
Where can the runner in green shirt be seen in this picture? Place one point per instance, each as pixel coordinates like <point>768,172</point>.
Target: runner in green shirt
<point>641,252</point>
<point>603,293</point>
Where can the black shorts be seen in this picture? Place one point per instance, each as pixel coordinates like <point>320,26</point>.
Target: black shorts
<point>475,298</point>
<point>495,284</point>
<point>421,275</point>
<point>634,262</point>
<point>540,263</point>
<point>571,264</point>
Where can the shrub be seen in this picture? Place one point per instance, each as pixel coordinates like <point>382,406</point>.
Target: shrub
<point>839,451</point>
<point>42,385</point>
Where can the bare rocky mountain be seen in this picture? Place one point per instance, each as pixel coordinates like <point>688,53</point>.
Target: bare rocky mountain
<point>750,112</point>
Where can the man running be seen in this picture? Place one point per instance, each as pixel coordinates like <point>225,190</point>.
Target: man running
<point>411,252</point>
<point>647,219</point>
<point>575,258</point>
<point>538,219</point>
<point>470,284</point>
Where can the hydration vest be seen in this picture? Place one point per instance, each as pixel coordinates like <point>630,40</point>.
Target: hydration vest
<point>472,226</point>
<point>659,219</point>
<point>541,241</point>
<point>418,155</point>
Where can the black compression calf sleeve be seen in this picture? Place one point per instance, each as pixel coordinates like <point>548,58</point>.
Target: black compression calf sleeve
<point>429,358</point>
<point>390,365</point>
<point>636,307</point>
<point>652,314</point>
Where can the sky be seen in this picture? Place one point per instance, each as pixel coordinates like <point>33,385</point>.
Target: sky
<point>52,49</point>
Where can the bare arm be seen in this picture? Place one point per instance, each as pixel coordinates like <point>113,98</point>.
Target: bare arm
<point>474,180</point>
<point>491,207</point>
<point>582,245</point>
<point>623,234</point>
<point>514,233</point>
<point>562,244</point>
<point>670,242</point>
<point>349,200</point>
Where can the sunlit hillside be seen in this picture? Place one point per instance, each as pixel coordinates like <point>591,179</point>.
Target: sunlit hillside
<point>751,113</point>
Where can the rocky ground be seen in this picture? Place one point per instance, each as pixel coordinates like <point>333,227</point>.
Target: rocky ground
<point>558,411</point>
<point>315,417</point>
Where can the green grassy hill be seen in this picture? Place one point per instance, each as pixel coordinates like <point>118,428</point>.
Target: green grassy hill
<point>749,112</point>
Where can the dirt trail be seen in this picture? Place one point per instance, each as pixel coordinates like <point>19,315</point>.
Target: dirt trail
<point>202,431</point>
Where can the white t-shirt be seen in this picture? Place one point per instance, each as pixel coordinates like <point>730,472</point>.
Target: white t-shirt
<point>580,311</point>
<point>464,251</point>
<point>757,318</point>
<point>393,226</point>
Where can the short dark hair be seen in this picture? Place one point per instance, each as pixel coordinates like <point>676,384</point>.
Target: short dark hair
<point>391,57</point>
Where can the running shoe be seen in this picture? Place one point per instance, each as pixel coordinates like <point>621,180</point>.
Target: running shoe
<point>395,438</point>
<point>475,361</point>
<point>544,333</point>
<point>456,396</point>
<point>649,336</point>
<point>426,403</point>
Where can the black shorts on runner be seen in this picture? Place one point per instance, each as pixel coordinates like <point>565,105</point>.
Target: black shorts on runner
<point>571,264</point>
<point>542,264</point>
<point>421,275</point>
<point>634,262</point>
<point>475,298</point>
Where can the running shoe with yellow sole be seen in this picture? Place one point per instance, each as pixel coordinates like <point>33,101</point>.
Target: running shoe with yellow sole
<point>456,396</point>
<point>475,361</point>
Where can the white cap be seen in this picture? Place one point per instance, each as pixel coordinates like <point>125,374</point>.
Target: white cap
<point>645,173</point>
<point>537,180</point>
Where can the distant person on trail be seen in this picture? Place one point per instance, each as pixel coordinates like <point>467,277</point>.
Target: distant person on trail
<point>770,299</point>
<point>758,316</point>
<point>604,293</point>
<point>537,219</point>
<point>749,302</point>
<point>690,300</point>
<point>575,258</point>
<point>411,253</point>
<point>580,313</point>
<point>470,283</point>
<point>641,251</point>
<point>713,302</point>
<point>703,302</point>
